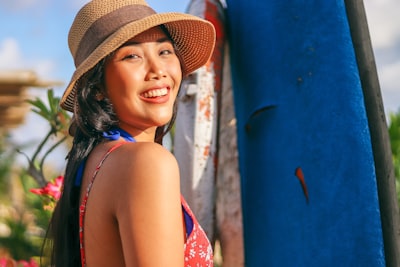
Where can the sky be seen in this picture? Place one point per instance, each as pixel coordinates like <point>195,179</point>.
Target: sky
<point>34,33</point>
<point>33,36</point>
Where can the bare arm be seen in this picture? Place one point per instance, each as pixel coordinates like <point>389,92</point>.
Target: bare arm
<point>148,207</point>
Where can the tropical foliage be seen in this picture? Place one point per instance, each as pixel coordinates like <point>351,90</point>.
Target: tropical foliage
<point>24,220</point>
<point>394,134</point>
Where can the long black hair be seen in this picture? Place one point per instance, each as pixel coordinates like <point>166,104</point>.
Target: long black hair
<point>93,114</point>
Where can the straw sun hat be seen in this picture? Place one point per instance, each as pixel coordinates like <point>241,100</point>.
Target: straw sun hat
<point>102,26</point>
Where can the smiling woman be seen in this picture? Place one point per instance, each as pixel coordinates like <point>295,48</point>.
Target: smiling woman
<point>145,75</point>
<point>130,62</point>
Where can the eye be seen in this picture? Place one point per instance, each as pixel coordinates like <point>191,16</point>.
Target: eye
<point>131,56</point>
<point>167,52</point>
<point>166,49</point>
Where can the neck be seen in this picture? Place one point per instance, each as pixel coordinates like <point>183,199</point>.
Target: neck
<point>140,135</point>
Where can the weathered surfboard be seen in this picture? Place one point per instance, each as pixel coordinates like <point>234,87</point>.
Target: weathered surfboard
<point>195,145</point>
<point>309,185</point>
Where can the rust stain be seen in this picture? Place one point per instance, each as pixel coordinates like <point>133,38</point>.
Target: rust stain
<point>205,106</point>
<point>206,151</point>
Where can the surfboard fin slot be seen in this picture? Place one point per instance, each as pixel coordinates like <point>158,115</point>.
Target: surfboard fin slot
<point>256,113</point>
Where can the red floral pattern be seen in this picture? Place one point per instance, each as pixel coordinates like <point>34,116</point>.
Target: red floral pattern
<point>198,250</point>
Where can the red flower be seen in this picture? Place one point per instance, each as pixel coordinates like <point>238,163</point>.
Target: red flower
<point>31,263</point>
<point>6,262</point>
<point>52,189</point>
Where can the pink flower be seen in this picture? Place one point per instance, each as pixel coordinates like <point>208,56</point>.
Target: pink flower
<point>31,263</point>
<point>6,262</point>
<point>52,189</point>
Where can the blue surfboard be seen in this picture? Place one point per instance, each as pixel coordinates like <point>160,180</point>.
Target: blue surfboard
<point>309,188</point>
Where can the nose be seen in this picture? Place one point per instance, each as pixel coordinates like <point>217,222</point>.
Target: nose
<point>156,70</point>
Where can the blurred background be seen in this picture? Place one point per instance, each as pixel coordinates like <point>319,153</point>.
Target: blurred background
<point>33,36</point>
<point>34,52</point>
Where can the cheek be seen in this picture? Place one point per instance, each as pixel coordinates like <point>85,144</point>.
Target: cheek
<point>176,69</point>
<point>179,78</point>
<point>109,76</point>
<point>117,80</point>
<point>178,82</point>
<point>114,86</point>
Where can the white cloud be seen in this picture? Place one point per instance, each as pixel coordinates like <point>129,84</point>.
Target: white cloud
<point>383,21</point>
<point>384,27</point>
<point>22,4</point>
<point>11,57</point>
<point>388,78</point>
<point>390,74</point>
<point>44,69</point>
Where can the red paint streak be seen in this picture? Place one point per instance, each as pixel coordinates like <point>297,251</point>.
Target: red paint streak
<point>299,174</point>
<point>214,14</point>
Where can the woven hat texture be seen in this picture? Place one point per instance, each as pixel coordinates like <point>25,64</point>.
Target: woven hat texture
<point>102,26</point>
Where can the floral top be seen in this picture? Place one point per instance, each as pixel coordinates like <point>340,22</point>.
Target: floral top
<point>197,248</point>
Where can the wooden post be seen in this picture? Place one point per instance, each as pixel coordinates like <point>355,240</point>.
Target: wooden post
<point>228,197</point>
<point>378,129</point>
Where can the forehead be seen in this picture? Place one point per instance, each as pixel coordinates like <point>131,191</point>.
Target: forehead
<point>151,35</point>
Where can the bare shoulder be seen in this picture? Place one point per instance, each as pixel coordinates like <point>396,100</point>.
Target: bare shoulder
<point>149,157</point>
<point>148,193</point>
<point>141,171</point>
<point>139,188</point>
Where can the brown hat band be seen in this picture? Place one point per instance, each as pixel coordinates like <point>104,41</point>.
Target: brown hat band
<point>107,25</point>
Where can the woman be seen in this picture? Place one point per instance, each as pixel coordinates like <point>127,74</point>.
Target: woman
<point>121,204</point>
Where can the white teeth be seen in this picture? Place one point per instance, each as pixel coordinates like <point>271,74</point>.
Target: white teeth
<point>156,93</point>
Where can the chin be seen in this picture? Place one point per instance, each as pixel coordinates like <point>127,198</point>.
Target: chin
<point>163,121</point>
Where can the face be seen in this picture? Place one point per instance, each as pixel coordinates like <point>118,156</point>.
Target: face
<point>142,79</point>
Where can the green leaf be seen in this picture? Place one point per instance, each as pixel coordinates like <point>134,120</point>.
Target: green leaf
<point>41,108</point>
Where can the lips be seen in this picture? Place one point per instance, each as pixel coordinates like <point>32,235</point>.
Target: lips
<point>155,93</point>
<point>158,95</point>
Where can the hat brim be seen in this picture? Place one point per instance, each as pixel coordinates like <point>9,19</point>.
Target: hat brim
<point>193,37</point>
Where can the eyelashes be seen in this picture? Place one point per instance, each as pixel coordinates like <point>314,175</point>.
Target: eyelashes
<point>134,56</point>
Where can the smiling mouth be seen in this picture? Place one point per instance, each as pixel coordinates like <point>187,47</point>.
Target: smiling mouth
<point>155,93</point>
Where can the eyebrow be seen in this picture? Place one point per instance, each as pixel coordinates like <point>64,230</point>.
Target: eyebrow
<point>161,40</point>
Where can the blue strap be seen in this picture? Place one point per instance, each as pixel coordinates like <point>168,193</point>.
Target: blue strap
<point>116,133</point>
<point>188,222</point>
<point>79,173</point>
<point>112,135</point>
